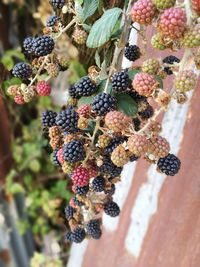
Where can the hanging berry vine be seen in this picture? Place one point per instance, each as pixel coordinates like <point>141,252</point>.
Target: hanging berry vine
<point>108,120</point>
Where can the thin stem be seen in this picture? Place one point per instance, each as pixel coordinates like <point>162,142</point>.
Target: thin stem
<point>66,28</point>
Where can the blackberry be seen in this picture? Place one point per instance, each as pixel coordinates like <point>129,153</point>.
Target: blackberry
<point>73,92</point>
<point>22,71</point>
<point>74,151</point>
<point>135,96</point>
<point>28,44</point>
<point>49,118</point>
<point>109,168</point>
<point>51,20</point>
<point>169,165</point>
<point>136,124</point>
<point>93,229</point>
<point>68,236</point>
<point>110,191</point>
<point>116,171</point>
<point>85,87</point>
<point>57,3</point>
<point>170,60</point>
<point>132,52</point>
<point>69,212</point>
<point>55,158</point>
<point>147,113</point>
<point>118,140</point>
<point>78,235</point>
<point>43,45</point>
<point>103,103</point>
<point>111,208</point>
<point>98,184</point>
<point>134,158</point>
<point>120,81</point>
<point>67,120</point>
<point>81,190</point>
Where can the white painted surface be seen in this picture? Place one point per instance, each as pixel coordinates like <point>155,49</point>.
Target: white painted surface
<point>146,203</point>
<point>121,194</point>
<point>77,253</point>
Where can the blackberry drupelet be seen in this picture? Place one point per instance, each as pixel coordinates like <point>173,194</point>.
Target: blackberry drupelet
<point>22,71</point>
<point>170,60</point>
<point>57,3</point>
<point>110,191</point>
<point>78,235</point>
<point>147,113</point>
<point>67,120</point>
<point>93,229</point>
<point>85,87</point>
<point>134,158</point>
<point>51,20</point>
<point>111,208</point>
<point>69,212</point>
<point>49,118</point>
<point>54,157</point>
<point>136,124</point>
<point>135,96</point>
<point>73,92</point>
<point>170,165</point>
<point>103,103</point>
<point>98,184</point>
<point>116,171</point>
<point>109,168</point>
<point>43,45</point>
<point>68,236</point>
<point>132,52</point>
<point>28,44</point>
<point>74,151</point>
<point>120,81</point>
<point>118,140</point>
<point>81,190</point>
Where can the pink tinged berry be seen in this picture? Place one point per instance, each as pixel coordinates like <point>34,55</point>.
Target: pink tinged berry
<point>173,23</point>
<point>80,176</point>
<point>60,156</point>
<point>196,6</point>
<point>19,99</point>
<point>143,12</point>
<point>43,88</point>
<point>144,84</point>
<point>84,110</point>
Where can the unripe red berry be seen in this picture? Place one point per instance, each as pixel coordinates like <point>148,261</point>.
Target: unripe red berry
<point>84,110</point>
<point>19,99</point>
<point>143,12</point>
<point>196,6</point>
<point>144,84</point>
<point>60,156</point>
<point>117,122</point>
<point>43,88</point>
<point>80,176</point>
<point>138,144</point>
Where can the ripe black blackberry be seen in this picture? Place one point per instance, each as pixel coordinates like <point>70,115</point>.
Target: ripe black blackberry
<point>28,44</point>
<point>111,208</point>
<point>115,142</point>
<point>135,96</point>
<point>85,87</point>
<point>136,123</point>
<point>78,235</point>
<point>22,71</point>
<point>74,151</point>
<point>73,92</point>
<point>67,120</point>
<point>51,20</point>
<point>77,202</point>
<point>103,103</point>
<point>49,118</point>
<point>69,212</point>
<point>93,229</point>
<point>43,45</point>
<point>120,81</point>
<point>68,237</point>
<point>170,60</point>
<point>110,191</point>
<point>57,3</point>
<point>81,190</point>
<point>132,52</point>
<point>55,158</point>
<point>147,113</point>
<point>116,171</point>
<point>98,184</point>
<point>109,169</point>
<point>170,165</point>
<point>134,158</point>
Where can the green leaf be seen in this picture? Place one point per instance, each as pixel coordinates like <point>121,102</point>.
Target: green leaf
<point>88,9</point>
<point>102,85</point>
<point>97,59</point>
<point>103,28</point>
<point>132,73</point>
<point>126,104</point>
<point>12,81</point>
<point>16,188</point>
<point>85,100</point>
